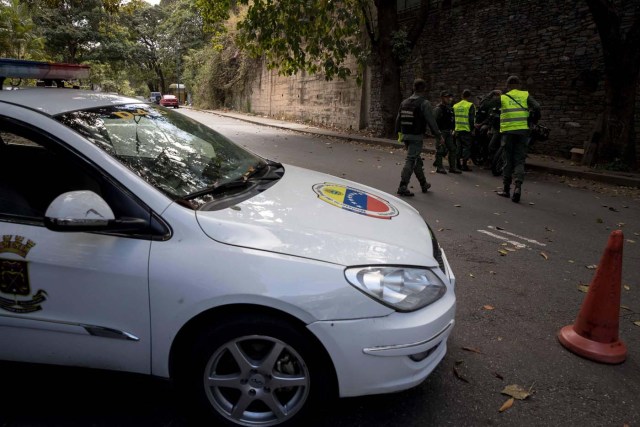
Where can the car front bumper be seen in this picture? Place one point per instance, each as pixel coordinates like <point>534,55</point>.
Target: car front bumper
<point>374,355</point>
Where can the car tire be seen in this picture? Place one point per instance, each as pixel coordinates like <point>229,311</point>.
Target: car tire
<point>235,371</point>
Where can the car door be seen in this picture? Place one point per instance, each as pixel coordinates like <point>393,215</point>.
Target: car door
<point>71,298</point>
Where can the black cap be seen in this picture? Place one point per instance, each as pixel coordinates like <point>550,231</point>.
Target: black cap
<point>445,93</point>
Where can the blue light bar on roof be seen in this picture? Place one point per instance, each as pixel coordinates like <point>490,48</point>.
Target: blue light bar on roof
<point>18,68</point>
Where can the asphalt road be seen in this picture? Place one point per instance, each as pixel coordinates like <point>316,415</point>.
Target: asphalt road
<point>510,308</point>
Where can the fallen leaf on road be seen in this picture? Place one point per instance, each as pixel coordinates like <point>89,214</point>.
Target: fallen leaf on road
<point>510,249</point>
<point>627,287</point>
<point>583,288</point>
<point>440,229</point>
<point>612,209</point>
<point>488,307</point>
<point>471,275</point>
<point>499,228</point>
<point>472,349</point>
<point>624,307</point>
<point>516,391</point>
<point>636,234</point>
<point>360,160</point>
<point>571,261</point>
<point>592,266</point>
<point>456,206</point>
<point>503,244</point>
<point>458,375</point>
<point>630,241</point>
<point>506,405</point>
<point>548,229</point>
<point>503,253</point>
<point>497,375</point>
<point>637,323</point>
<point>531,203</point>
<point>492,272</point>
<point>598,220</point>
<point>621,224</point>
<point>544,255</point>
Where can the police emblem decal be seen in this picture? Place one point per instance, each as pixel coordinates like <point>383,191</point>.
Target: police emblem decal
<point>355,200</point>
<point>14,277</point>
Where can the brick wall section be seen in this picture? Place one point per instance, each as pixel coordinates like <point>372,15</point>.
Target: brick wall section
<point>303,98</point>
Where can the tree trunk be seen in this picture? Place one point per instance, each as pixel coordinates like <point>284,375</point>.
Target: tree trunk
<point>390,94</point>
<point>618,140</point>
<point>622,65</point>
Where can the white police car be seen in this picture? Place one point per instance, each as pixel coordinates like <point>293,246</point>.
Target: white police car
<point>136,239</point>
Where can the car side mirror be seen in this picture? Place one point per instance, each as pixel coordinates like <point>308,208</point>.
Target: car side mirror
<point>86,211</point>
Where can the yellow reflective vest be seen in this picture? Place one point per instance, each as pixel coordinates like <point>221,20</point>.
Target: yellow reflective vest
<point>461,111</point>
<point>512,115</point>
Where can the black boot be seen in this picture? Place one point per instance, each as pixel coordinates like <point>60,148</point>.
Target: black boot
<point>517,191</point>
<point>506,190</point>
<point>465,167</point>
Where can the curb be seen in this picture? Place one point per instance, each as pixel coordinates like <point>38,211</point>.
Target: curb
<point>607,178</point>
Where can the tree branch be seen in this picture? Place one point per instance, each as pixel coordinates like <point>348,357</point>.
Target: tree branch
<point>366,13</point>
<point>418,23</point>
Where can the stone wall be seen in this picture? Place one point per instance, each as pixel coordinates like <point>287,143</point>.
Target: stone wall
<point>305,98</point>
<point>552,45</point>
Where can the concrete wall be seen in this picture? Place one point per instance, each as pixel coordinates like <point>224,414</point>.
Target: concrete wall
<point>306,98</point>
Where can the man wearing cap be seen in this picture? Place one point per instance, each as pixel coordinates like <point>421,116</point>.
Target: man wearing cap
<point>413,118</point>
<point>446,122</point>
<point>465,113</point>
<point>516,108</point>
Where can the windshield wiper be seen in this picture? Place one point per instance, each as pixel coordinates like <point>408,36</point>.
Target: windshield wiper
<point>243,181</point>
<point>240,182</point>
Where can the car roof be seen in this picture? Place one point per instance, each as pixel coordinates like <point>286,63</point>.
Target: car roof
<point>53,101</point>
<point>168,96</point>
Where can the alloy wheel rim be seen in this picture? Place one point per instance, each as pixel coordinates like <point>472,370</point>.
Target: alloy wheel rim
<point>256,380</point>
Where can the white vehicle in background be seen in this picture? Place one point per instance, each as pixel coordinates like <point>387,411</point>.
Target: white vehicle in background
<point>136,239</point>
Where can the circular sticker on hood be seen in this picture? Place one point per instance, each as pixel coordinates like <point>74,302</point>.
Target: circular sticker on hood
<point>355,200</point>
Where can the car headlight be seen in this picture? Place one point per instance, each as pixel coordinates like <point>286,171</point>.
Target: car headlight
<point>401,288</point>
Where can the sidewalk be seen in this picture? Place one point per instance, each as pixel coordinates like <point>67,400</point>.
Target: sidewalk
<point>537,162</point>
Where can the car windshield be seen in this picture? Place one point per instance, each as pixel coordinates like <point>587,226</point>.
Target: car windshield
<point>174,153</point>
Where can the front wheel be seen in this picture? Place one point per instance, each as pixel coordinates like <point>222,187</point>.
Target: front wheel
<point>257,371</point>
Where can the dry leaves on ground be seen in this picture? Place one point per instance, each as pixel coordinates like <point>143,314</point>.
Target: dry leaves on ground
<point>488,307</point>
<point>637,323</point>
<point>503,252</point>
<point>592,266</point>
<point>516,391</point>
<point>583,288</point>
<point>543,255</point>
<point>472,349</point>
<point>459,376</point>
<point>506,405</point>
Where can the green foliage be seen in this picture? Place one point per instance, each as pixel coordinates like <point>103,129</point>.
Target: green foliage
<point>295,35</point>
<point>214,76</point>
<point>401,46</point>
<point>18,34</point>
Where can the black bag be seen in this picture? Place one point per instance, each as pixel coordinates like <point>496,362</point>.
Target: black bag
<point>540,132</point>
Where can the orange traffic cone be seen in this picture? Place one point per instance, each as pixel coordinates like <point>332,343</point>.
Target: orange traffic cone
<point>595,333</point>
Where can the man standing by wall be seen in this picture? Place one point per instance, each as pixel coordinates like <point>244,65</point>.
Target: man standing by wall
<point>515,106</point>
<point>446,122</point>
<point>413,117</point>
<point>465,113</point>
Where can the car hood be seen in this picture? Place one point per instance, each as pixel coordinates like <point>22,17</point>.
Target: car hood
<point>322,217</point>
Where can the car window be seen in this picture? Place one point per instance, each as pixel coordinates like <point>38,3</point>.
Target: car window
<point>174,153</point>
<point>35,169</point>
